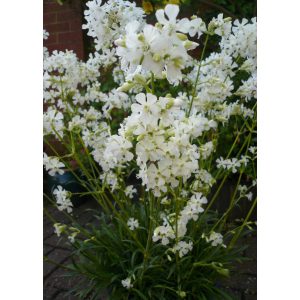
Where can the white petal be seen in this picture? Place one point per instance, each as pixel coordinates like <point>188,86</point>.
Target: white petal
<point>184,25</point>
<point>172,12</point>
<point>132,27</point>
<point>160,16</point>
<point>140,98</point>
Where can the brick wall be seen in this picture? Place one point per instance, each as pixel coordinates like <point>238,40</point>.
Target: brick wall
<point>63,22</point>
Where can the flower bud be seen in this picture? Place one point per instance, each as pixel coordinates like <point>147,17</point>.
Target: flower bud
<point>121,42</point>
<point>141,37</point>
<point>139,79</point>
<point>189,45</point>
<point>158,25</point>
<point>181,36</point>
<point>125,87</point>
<point>178,102</point>
<point>156,57</point>
<point>177,62</point>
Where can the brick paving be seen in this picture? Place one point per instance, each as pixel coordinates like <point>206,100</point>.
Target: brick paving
<point>241,285</point>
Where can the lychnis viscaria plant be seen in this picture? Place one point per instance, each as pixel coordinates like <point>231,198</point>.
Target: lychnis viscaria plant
<point>156,120</point>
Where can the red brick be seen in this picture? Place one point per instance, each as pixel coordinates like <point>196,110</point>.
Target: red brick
<point>76,25</point>
<point>54,7</point>
<point>69,37</point>
<point>74,48</point>
<point>68,15</point>
<point>53,47</point>
<point>52,38</point>
<point>49,18</point>
<point>58,27</point>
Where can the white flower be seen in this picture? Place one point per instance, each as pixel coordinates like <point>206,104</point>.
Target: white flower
<point>231,164</point>
<point>111,179</point>
<point>45,34</point>
<point>147,108</point>
<point>130,191</point>
<point>59,229</point>
<point>76,123</point>
<point>206,149</point>
<point>132,223</point>
<point>53,122</point>
<point>160,49</point>
<point>243,189</point>
<point>127,283</point>
<point>73,235</point>
<point>62,199</point>
<point>163,233</point>
<point>171,11</point>
<point>196,26</point>
<point>191,211</point>
<point>183,247</point>
<point>116,152</point>
<point>252,149</point>
<point>165,201</point>
<point>216,239</point>
<point>171,24</point>
<point>53,165</point>
<point>107,22</point>
<point>220,26</point>
<point>249,196</point>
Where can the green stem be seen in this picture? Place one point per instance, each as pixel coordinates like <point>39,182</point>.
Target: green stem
<point>237,234</point>
<point>197,77</point>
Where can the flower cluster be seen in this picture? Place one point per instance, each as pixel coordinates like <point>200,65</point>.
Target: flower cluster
<point>190,212</point>
<point>232,164</point>
<point>53,165</point>
<point>127,283</point>
<point>106,22</point>
<point>167,231</point>
<point>163,134</point>
<point>63,199</point>
<point>215,239</point>
<point>160,49</point>
<point>183,248</point>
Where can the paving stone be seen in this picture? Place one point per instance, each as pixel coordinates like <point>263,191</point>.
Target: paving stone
<point>60,280</point>
<point>57,242</point>
<point>236,295</point>
<point>46,221</point>
<point>48,231</point>
<point>251,251</point>
<point>50,293</point>
<point>250,297</point>
<point>57,215</point>
<point>57,256</point>
<point>248,267</point>
<point>241,282</point>
<point>47,249</point>
<point>71,297</point>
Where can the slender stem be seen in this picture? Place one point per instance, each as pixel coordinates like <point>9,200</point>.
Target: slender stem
<point>235,237</point>
<point>152,83</point>
<point>197,77</point>
<point>146,252</point>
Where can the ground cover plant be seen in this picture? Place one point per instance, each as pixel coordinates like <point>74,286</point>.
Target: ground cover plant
<point>152,134</point>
